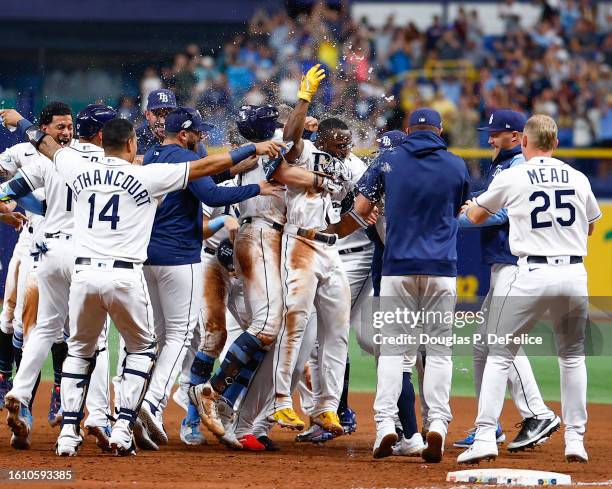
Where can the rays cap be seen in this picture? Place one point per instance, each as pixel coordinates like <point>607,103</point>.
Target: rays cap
<point>187,119</point>
<point>426,117</point>
<point>391,139</point>
<point>161,99</point>
<point>505,120</point>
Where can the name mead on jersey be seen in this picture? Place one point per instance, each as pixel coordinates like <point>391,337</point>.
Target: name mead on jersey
<point>548,175</point>
<point>115,178</point>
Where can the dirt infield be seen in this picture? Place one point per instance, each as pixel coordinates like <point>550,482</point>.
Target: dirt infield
<point>343,463</point>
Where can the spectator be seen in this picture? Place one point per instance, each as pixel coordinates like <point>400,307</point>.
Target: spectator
<point>150,81</point>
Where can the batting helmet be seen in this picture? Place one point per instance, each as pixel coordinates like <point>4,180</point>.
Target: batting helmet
<point>257,122</point>
<point>92,118</point>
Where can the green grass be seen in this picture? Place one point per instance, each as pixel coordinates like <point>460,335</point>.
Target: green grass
<point>363,373</point>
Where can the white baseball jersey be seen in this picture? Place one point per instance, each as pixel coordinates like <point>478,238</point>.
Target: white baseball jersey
<point>550,206</point>
<point>359,238</point>
<point>115,202</point>
<point>264,206</point>
<point>59,216</point>
<point>306,208</point>
<point>19,157</point>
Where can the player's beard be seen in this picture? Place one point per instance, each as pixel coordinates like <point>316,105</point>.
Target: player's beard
<point>191,146</point>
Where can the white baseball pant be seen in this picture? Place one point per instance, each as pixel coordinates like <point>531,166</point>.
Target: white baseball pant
<point>560,290</point>
<point>521,382</point>
<point>415,293</point>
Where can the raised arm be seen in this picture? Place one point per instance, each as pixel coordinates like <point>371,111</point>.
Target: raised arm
<point>294,127</point>
<point>46,145</point>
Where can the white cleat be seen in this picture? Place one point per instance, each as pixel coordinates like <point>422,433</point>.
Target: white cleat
<point>153,424</point>
<point>142,437</point>
<point>412,447</point>
<point>122,439</point>
<point>480,450</point>
<point>386,437</point>
<point>575,452</point>
<point>227,416</point>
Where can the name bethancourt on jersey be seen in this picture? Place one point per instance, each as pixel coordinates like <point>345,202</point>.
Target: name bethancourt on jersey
<point>115,178</point>
<point>548,175</point>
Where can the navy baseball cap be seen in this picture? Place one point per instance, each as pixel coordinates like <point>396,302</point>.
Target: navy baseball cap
<point>391,139</point>
<point>161,99</point>
<point>505,120</point>
<point>428,117</point>
<point>186,118</point>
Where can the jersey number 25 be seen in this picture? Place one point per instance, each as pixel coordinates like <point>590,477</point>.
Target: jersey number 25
<point>559,204</point>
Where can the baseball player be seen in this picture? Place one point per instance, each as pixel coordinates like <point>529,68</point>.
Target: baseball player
<point>152,132</point>
<point>419,266</point>
<point>56,120</point>
<point>312,273</point>
<point>551,210</point>
<point>257,251</point>
<point>115,205</point>
<point>505,130</point>
<point>54,276</point>
<point>173,269</point>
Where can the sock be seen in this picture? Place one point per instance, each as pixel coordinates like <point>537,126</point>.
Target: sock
<point>405,406</point>
<point>58,353</point>
<point>201,368</point>
<point>236,362</point>
<point>34,390</point>
<point>17,346</point>
<point>233,392</point>
<point>343,404</point>
<point>7,355</point>
<point>192,413</point>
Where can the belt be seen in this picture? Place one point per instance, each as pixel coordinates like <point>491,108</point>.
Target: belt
<point>58,235</point>
<point>209,251</point>
<point>116,263</point>
<point>357,249</point>
<point>275,225</point>
<point>329,239</point>
<point>573,260</point>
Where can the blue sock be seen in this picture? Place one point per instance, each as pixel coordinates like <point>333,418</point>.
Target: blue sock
<point>201,368</point>
<point>192,413</point>
<point>343,403</point>
<point>240,354</point>
<point>17,348</point>
<point>405,406</point>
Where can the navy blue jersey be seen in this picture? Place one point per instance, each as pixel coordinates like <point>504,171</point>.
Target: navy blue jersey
<point>494,240</point>
<point>176,238</point>
<point>424,187</point>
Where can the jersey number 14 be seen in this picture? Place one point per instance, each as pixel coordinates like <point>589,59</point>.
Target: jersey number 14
<point>559,204</point>
<point>108,213</point>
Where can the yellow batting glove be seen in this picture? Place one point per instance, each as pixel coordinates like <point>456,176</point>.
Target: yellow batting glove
<point>310,82</point>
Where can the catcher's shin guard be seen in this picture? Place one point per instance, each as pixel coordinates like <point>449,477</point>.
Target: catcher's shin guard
<point>76,375</point>
<point>135,377</point>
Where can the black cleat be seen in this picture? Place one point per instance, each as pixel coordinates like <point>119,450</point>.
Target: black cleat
<point>533,432</point>
<point>268,443</point>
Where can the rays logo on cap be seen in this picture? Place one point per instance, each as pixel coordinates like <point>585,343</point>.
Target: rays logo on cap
<point>186,124</point>
<point>491,119</point>
<point>163,97</point>
<point>421,119</point>
<point>386,141</point>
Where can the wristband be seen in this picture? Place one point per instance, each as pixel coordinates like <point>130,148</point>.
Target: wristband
<point>35,135</point>
<point>358,219</point>
<point>216,223</point>
<point>241,153</point>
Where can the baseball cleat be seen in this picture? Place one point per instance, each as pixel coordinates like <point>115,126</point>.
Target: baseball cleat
<point>153,423</point>
<point>268,443</point>
<point>434,447</point>
<point>287,418</point>
<point>142,438</point>
<point>55,407</point>
<point>227,417</point>
<point>66,449</point>
<point>348,420</point>
<point>122,439</point>
<point>315,434</point>
<point>385,439</point>
<point>19,420</point>
<point>69,441</point>
<point>411,447</point>
<point>533,432</point>
<point>190,433</point>
<point>181,397</point>
<point>329,420</point>
<point>204,398</point>
<point>251,444</point>
<point>469,439</point>
<point>102,435</point>
<point>478,451</point>
<point>575,452</point>
<point>6,384</point>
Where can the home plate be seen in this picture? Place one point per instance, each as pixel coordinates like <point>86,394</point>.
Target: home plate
<point>509,477</point>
